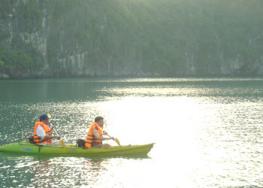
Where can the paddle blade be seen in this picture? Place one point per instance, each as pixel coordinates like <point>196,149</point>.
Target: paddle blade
<point>61,142</point>
<point>117,141</point>
<point>49,116</point>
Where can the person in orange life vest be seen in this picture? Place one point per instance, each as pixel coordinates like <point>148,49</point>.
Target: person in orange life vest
<point>42,131</point>
<point>95,134</point>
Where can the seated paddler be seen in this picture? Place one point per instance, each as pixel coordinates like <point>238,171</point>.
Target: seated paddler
<point>96,134</point>
<point>42,131</point>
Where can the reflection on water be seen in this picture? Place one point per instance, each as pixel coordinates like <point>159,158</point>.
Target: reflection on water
<point>67,171</point>
<point>208,132</point>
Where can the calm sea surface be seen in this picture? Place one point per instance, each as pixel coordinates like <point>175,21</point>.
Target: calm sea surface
<point>207,132</point>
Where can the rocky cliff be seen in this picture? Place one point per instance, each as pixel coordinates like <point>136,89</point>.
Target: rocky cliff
<point>66,38</point>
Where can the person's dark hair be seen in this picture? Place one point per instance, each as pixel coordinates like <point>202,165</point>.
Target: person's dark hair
<point>98,118</point>
<point>43,117</point>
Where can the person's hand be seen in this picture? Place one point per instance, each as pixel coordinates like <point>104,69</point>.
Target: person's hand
<point>49,134</point>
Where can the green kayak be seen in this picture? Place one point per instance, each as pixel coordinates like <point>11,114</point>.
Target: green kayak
<point>25,148</point>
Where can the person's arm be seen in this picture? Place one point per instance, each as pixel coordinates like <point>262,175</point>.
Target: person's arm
<point>109,136</point>
<point>43,136</point>
<point>105,133</point>
<point>96,135</point>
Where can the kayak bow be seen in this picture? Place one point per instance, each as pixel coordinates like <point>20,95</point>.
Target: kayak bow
<point>25,148</point>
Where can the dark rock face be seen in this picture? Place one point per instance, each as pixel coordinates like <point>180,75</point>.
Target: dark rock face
<point>52,38</point>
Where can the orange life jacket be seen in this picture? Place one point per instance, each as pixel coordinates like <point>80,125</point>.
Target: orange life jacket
<point>91,140</point>
<point>37,139</point>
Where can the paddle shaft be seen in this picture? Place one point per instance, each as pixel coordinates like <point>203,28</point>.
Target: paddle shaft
<point>61,141</point>
<point>55,130</point>
<point>115,139</point>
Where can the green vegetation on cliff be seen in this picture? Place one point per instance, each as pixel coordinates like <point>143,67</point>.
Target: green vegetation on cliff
<point>131,38</point>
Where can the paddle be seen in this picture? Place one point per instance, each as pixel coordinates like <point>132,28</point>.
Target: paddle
<point>117,141</point>
<point>61,141</point>
<point>113,138</point>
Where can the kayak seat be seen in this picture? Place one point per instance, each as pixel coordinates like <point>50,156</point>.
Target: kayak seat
<point>31,140</point>
<point>81,143</point>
